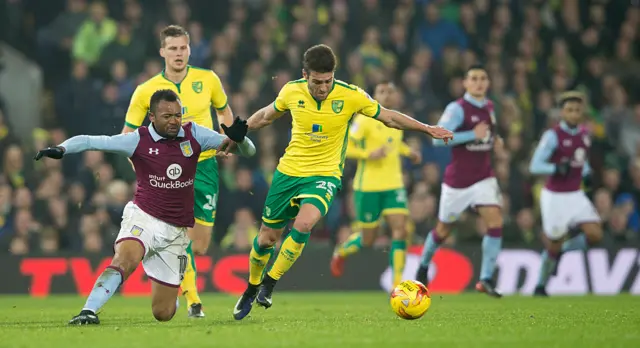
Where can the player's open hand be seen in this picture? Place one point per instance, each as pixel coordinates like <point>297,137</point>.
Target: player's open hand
<point>378,153</point>
<point>51,152</point>
<point>415,157</point>
<point>438,132</point>
<point>237,131</point>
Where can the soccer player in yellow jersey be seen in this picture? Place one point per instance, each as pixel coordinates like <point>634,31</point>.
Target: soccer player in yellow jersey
<point>199,89</point>
<point>309,174</point>
<point>378,185</point>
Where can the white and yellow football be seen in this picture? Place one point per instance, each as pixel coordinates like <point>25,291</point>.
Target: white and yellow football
<point>410,299</point>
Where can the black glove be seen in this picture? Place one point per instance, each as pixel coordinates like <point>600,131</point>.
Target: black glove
<point>51,152</point>
<point>562,168</point>
<point>237,131</point>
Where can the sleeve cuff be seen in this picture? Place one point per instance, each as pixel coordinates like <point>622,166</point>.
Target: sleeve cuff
<point>131,125</point>
<point>276,108</point>
<point>377,112</point>
<point>223,106</point>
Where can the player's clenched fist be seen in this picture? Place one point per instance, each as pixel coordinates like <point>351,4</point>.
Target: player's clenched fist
<point>438,132</point>
<point>51,152</point>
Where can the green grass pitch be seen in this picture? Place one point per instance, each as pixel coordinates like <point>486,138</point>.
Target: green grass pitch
<point>331,320</point>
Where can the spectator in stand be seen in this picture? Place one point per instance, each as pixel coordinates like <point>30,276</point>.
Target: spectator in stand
<point>94,34</point>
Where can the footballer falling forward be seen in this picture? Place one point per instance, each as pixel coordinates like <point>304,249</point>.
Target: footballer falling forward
<point>199,90</point>
<point>154,224</point>
<point>309,174</point>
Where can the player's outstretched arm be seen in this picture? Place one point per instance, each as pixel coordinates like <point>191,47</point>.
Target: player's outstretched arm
<point>539,162</point>
<point>124,144</point>
<point>452,119</point>
<point>264,117</point>
<point>398,120</point>
<point>209,139</point>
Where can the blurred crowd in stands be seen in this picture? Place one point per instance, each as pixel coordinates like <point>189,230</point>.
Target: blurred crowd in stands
<point>93,54</point>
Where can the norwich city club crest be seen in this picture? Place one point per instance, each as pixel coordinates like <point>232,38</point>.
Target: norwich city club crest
<point>197,86</point>
<point>337,106</point>
<point>185,146</point>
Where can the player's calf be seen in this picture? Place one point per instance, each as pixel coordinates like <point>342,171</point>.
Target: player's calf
<point>431,244</point>
<point>129,252</point>
<point>491,246</point>
<point>548,262</point>
<point>290,250</point>
<point>398,252</point>
<point>355,242</point>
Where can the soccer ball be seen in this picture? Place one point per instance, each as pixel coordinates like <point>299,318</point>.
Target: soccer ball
<point>410,299</point>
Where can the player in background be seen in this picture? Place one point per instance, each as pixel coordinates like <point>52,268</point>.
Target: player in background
<point>469,181</point>
<point>309,174</point>
<point>199,89</point>
<point>378,186</point>
<point>154,224</point>
<point>563,154</point>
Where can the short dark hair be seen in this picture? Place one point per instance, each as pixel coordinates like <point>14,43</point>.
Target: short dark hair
<point>162,95</point>
<point>319,58</point>
<point>475,67</point>
<point>172,31</point>
<point>571,96</point>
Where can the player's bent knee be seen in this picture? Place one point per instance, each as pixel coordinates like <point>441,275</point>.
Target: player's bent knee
<point>443,230</point>
<point>267,236</point>
<point>593,232</point>
<point>164,313</point>
<point>368,237</point>
<point>199,247</point>
<point>303,224</point>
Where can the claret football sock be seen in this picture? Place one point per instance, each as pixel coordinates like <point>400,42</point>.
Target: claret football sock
<point>397,259</point>
<point>258,259</point>
<point>289,253</point>
<point>351,246</point>
<point>105,286</point>
<point>491,246</point>
<point>189,285</point>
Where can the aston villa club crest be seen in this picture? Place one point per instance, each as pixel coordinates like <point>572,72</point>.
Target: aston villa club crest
<point>136,231</point>
<point>186,149</point>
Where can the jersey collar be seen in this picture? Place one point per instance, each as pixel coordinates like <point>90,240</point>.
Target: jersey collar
<point>179,83</point>
<point>157,137</point>
<point>474,102</point>
<point>319,102</point>
<point>565,127</point>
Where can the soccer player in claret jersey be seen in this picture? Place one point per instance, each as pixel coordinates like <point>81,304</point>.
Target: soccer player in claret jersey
<point>309,174</point>
<point>469,179</point>
<point>154,224</point>
<point>199,89</point>
<point>378,186</point>
<point>569,220</point>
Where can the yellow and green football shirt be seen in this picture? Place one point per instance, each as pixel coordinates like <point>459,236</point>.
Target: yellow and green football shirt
<point>319,129</point>
<point>384,174</point>
<point>199,90</point>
